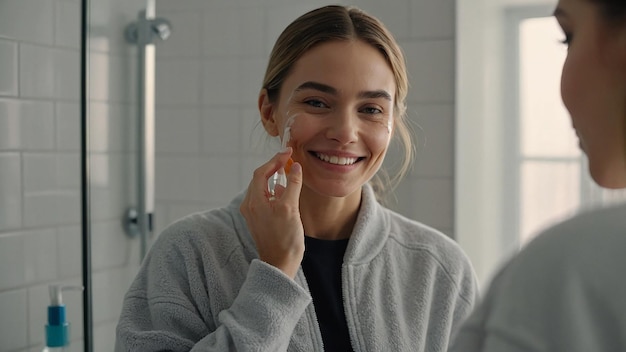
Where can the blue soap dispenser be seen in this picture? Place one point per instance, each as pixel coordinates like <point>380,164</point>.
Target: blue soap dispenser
<point>57,329</point>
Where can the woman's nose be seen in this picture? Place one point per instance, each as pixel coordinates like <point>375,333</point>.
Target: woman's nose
<point>343,127</point>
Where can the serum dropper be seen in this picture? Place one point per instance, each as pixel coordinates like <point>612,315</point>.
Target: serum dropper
<point>280,176</point>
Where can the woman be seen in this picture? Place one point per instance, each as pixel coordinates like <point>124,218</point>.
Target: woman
<point>243,277</point>
<point>566,290</point>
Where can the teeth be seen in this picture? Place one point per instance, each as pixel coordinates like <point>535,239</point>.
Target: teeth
<point>337,160</point>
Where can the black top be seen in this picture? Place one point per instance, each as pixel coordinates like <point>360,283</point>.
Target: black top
<point>322,267</point>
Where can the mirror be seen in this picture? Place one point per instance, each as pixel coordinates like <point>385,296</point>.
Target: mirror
<point>206,139</point>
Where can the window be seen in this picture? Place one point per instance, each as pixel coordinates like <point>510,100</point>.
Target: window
<point>547,168</point>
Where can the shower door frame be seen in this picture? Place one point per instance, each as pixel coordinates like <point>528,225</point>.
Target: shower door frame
<point>85,180</point>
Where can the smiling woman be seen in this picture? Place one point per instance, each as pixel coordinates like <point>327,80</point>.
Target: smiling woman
<point>243,277</point>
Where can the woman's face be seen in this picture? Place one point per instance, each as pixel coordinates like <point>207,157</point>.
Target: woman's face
<point>593,88</point>
<point>341,94</point>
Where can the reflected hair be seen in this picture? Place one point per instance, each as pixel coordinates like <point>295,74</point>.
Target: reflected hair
<point>344,23</point>
<point>612,10</point>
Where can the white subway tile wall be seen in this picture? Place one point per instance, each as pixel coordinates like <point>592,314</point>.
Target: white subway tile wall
<point>36,125</point>
<point>68,126</point>
<point>13,307</point>
<point>28,163</point>
<point>10,193</point>
<point>8,63</point>
<point>208,137</point>
<point>67,19</point>
<point>431,70</point>
<point>179,130</point>
<point>40,164</point>
<point>28,20</point>
<point>394,14</point>
<point>434,131</point>
<point>432,19</point>
<point>36,71</point>
<point>182,81</point>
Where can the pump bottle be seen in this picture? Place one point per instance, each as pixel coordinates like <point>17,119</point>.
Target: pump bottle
<point>58,328</point>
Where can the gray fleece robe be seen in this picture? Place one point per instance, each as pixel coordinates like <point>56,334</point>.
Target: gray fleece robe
<point>564,292</point>
<point>406,287</point>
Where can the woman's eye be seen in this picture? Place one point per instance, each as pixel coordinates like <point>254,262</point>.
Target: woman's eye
<point>567,40</point>
<point>316,103</point>
<point>371,110</point>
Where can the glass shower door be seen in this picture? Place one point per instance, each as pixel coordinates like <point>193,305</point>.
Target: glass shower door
<point>207,136</point>
<point>112,127</point>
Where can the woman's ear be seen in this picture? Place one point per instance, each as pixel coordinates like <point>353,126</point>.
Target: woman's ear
<point>266,110</point>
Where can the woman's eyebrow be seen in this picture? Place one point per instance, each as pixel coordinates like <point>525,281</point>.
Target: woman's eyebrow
<point>324,88</point>
<point>375,94</point>
<point>559,12</point>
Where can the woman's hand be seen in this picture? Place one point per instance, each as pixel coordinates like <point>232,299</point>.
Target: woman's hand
<point>275,224</point>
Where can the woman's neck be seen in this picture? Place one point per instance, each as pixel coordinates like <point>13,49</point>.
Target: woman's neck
<point>329,218</point>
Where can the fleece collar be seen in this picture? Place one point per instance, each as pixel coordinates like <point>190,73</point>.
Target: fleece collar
<point>368,237</point>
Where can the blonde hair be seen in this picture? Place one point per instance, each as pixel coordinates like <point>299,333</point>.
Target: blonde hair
<point>335,22</point>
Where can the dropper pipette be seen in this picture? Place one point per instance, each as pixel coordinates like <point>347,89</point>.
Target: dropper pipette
<point>280,177</point>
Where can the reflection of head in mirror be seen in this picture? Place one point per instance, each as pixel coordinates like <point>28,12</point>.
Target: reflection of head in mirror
<point>594,83</point>
<point>565,290</point>
<point>314,261</point>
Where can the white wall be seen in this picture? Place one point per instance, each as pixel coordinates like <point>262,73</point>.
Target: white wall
<point>478,133</point>
<point>480,136</point>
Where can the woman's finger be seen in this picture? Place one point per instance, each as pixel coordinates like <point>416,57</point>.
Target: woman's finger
<point>294,184</point>
<point>265,171</point>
